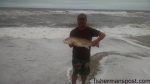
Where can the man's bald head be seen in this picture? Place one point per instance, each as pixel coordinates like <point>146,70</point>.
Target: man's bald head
<point>82,19</point>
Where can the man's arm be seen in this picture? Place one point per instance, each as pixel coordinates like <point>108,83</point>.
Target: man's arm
<point>100,37</point>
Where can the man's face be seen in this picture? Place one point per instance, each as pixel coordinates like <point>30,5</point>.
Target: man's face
<point>82,23</point>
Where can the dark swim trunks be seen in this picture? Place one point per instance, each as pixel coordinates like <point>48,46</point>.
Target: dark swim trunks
<point>81,67</point>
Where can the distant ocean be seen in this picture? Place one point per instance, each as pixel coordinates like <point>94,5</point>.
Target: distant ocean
<point>34,17</point>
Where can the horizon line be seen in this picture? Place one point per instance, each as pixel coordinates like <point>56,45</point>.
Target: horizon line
<point>55,8</point>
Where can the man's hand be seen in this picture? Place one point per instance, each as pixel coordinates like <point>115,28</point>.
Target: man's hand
<point>99,38</point>
<point>95,43</point>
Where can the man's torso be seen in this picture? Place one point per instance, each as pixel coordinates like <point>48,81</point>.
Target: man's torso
<point>81,53</point>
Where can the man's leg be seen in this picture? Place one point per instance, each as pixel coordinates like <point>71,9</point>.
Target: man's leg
<point>74,78</point>
<point>84,72</point>
<point>83,78</point>
<point>76,67</point>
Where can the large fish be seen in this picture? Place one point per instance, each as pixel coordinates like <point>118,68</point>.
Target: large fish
<point>79,42</point>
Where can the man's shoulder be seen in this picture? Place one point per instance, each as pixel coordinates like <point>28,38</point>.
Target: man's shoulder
<point>74,29</point>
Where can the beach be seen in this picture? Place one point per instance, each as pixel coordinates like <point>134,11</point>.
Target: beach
<point>32,50</point>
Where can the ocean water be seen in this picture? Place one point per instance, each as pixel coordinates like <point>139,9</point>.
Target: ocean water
<point>32,49</point>
<point>67,18</point>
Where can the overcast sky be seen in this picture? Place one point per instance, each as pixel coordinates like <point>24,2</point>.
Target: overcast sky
<point>80,4</point>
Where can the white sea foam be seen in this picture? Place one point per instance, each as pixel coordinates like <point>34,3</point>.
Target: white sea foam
<point>27,13</point>
<point>126,66</point>
<point>35,33</point>
<point>126,30</point>
<point>46,32</point>
<point>34,60</point>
